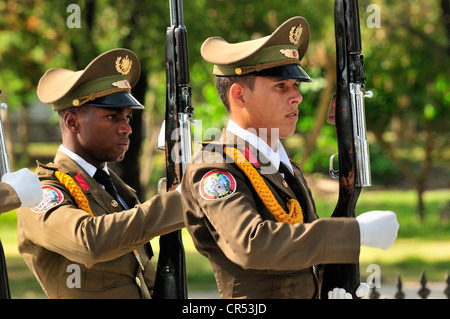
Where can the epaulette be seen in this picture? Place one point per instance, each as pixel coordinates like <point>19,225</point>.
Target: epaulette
<point>50,166</point>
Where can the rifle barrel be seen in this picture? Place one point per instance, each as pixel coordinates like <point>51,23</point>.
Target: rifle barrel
<point>176,12</point>
<point>354,38</point>
<point>170,281</point>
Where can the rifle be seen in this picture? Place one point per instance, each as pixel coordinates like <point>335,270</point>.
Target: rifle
<point>4,168</point>
<point>170,282</point>
<point>4,285</point>
<point>353,150</point>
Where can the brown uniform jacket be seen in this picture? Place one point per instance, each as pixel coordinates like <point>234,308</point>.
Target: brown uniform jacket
<point>8,198</point>
<point>253,255</point>
<point>74,255</point>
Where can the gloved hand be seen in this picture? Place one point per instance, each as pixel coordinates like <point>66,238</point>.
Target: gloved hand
<point>340,293</point>
<point>378,229</point>
<point>27,186</point>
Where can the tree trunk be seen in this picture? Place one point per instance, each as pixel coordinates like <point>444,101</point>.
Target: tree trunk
<point>420,203</point>
<point>128,169</point>
<point>322,109</point>
<point>418,180</point>
<point>152,128</point>
<point>147,161</point>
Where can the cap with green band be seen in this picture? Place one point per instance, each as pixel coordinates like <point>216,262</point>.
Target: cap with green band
<point>280,51</point>
<point>106,81</point>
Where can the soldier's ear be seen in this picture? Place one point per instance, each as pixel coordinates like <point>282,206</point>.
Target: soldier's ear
<point>71,121</point>
<point>236,95</point>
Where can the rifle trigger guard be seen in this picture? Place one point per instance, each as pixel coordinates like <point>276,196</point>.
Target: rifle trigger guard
<point>333,173</point>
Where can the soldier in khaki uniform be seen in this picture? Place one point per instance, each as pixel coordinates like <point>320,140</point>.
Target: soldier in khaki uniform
<point>82,240</point>
<point>246,205</point>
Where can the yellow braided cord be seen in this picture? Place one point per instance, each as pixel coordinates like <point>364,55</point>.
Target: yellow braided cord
<point>75,191</point>
<point>82,201</point>
<point>295,212</point>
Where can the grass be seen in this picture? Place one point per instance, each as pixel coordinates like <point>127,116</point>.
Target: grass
<point>422,245</point>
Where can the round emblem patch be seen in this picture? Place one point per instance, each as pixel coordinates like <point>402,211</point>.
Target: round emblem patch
<point>217,184</point>
<point>52,197</point>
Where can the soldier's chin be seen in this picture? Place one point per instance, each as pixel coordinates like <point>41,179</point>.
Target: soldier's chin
<point>119,158</point>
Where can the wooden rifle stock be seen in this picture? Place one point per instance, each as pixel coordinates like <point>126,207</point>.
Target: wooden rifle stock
<point>354,172</point>
<point>170,281</point>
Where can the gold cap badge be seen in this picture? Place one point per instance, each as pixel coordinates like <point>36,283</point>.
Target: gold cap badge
<point>123,65</point>
<point>295,34</point>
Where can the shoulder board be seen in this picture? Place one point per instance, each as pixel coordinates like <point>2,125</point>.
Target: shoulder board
<point>204,143</point>
<point>295,166</point>
<point>50,166</point>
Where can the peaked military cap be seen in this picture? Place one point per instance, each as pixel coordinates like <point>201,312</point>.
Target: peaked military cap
<point>277,55</point>
<point>105,82</point>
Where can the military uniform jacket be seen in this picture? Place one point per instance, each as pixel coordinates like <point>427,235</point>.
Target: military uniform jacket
<point>253,255</point>
<point>74,255</point>
<point>8,198</point>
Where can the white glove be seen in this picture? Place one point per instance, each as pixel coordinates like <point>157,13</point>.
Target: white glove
<point>340,293</point>
<point>378,229</point>
<point>27,186</point>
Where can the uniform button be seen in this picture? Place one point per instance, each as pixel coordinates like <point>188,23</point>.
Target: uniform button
<point>114,203</point>
<point>138,282</point>
<point>285,184</point>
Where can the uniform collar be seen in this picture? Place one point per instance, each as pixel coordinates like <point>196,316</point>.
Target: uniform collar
<point>276,155</point>
<point>89,168</point>
<point>70,163</point>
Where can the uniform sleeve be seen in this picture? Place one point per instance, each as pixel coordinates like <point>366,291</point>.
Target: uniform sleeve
<point>9,199</point>
<point>73,233</point>
<point>253,243</point>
